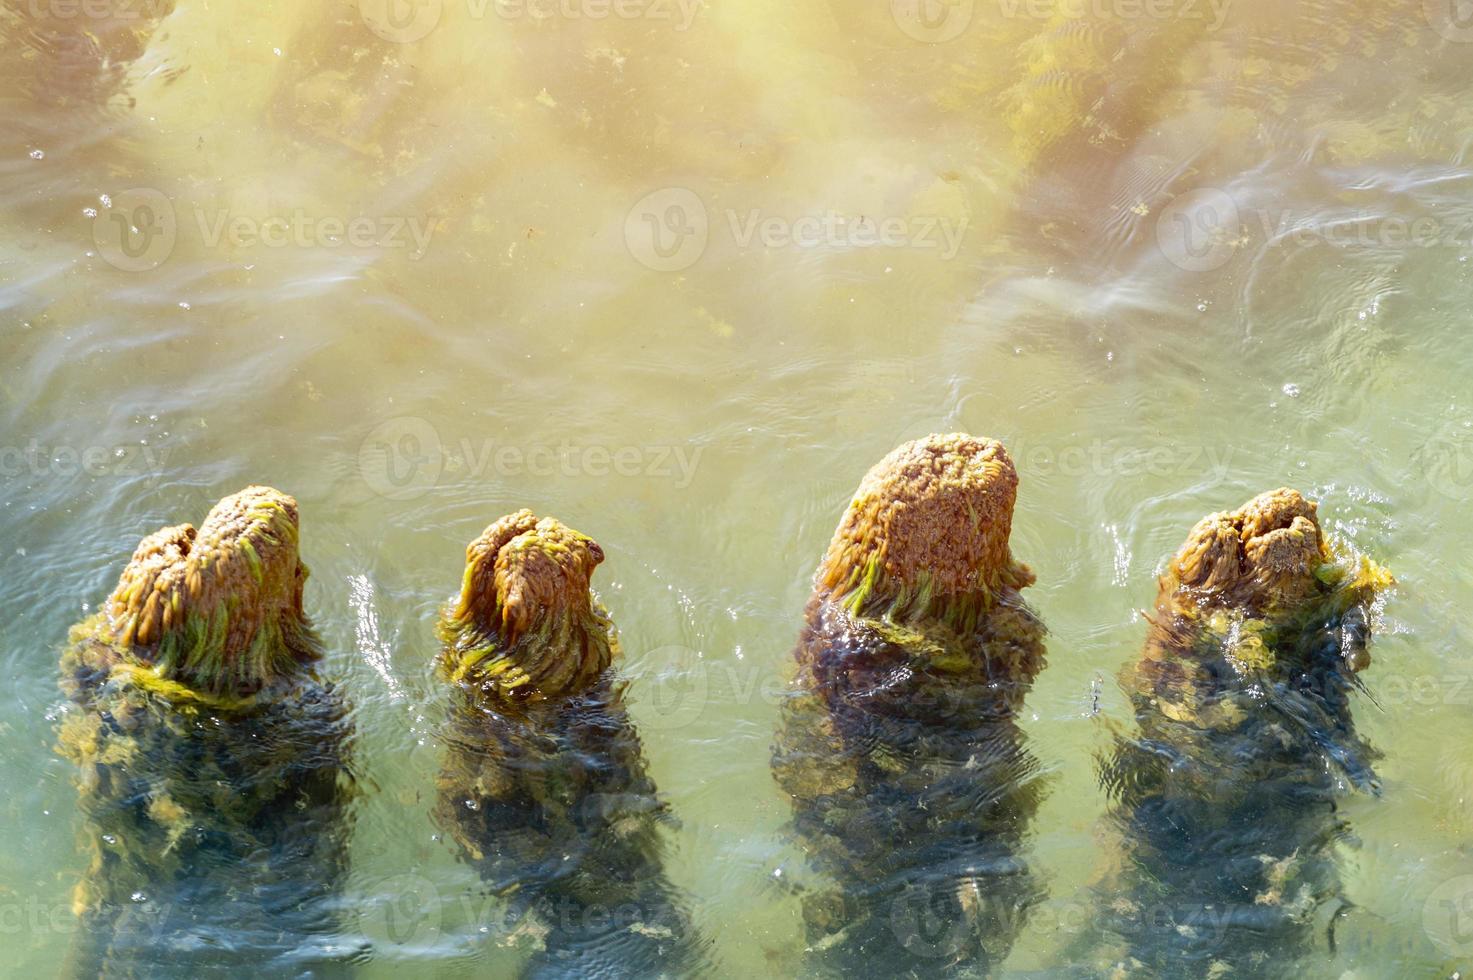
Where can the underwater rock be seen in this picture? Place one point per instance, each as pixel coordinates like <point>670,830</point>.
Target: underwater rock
<point>911,785</point>
<point>1226,799</point>
<point>56,54</point>
<point>667,94</point>
<point>350,94</point>
<point>545,787</point>
<point>213,762</point>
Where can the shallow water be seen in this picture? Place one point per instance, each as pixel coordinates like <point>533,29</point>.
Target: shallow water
<point>679,275</point>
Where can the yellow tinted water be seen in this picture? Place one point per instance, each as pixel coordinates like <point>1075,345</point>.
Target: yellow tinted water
<point>678,273</point>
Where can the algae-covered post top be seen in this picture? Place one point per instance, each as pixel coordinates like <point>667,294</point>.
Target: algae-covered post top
<point>1264,569</point>
<point>217,610</point>
<point>1257,594</point>
<point>926,534</point>
<point>1262,557</point>
<point>919,581</point>
<point>525,626</point>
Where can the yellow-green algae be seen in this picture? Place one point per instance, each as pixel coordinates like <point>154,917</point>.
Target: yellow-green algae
<point>910,784</point>
<point>526,627</point>
<point>1244,590</point>
<point>212,763</point>
<point>1096,81</point>
<point>544,788</point>
<point>215,614</point>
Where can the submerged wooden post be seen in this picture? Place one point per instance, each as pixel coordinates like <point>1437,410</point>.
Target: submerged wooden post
<point>911,786</point>
<point>545,788</point>
<point>1225,801</point>
<point>212,761</point>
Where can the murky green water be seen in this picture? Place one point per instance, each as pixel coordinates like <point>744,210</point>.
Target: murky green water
<point>678,273</point>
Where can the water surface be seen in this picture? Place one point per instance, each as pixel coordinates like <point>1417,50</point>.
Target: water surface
<point>679,276</point>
